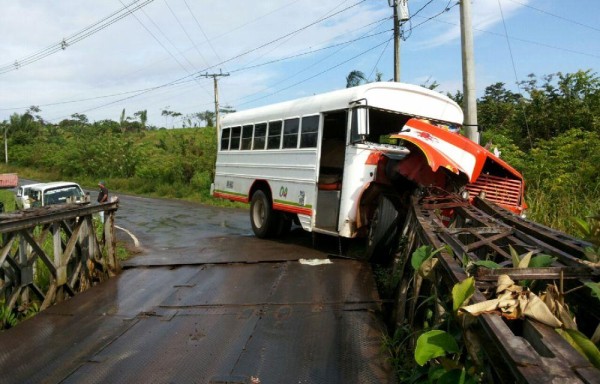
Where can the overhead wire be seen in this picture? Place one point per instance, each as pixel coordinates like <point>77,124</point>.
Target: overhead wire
<point>318,74</point>
<point>201,30</point>
<point>318,62</point>
<point>523,40</point>
<point>188,80</point>
<point>514,66</point>
<point>290,37</point>
<point>447,8</point>
<point>186,32</point>
<point>228,60</point>
<point>556,16</point>
<point>166,49</point>
<point>75,38</point>
<point>147,90</point>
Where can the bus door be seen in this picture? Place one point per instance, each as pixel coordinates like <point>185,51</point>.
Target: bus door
<point>331,171</point>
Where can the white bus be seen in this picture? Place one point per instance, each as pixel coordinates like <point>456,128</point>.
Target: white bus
<point>329,161</point>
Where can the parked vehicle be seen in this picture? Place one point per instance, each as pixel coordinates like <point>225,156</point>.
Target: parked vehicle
<point>43,194</point>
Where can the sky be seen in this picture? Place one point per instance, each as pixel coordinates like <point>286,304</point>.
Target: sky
<point>98,58</point>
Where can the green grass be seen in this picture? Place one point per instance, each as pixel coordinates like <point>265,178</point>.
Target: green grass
<point>558,211</point>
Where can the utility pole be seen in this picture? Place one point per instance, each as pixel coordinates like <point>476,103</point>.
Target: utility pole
<point>217,117</point>
<point>400,16</point>
<point>468,69</point>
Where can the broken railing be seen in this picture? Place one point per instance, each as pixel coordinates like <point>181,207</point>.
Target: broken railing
<point>510,350</point>
<point>51,253</point>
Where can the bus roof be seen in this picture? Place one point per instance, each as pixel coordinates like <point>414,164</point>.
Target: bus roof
<point>403,98</point>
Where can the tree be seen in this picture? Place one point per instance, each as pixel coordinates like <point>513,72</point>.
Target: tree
<point>81,118</point>
<point>34,109</point>
<point>122,120</point>
<point>355,78</point>
<point>432,85</point>
<point>143,116</point>
<point>4,126</point>
<point>24,128</point>
<point>167,113</point>
<point>208,116</point>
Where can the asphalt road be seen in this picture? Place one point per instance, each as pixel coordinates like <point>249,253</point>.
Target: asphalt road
<point>206,302</point>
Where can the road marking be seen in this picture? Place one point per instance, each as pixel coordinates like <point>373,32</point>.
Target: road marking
<point>136,242</point>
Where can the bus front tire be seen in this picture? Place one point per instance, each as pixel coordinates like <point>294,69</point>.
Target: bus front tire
<point>382,239</point>
<point>262,216</point>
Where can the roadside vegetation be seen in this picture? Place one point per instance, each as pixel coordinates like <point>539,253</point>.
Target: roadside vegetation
<point>550,132</point>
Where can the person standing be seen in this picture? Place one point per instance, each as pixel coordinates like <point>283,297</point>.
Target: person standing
<point>102,197</point>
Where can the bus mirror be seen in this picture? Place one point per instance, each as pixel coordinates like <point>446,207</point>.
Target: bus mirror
<point>363,121</point>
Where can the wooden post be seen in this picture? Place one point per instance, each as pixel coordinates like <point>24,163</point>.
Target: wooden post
<point>111,244</point>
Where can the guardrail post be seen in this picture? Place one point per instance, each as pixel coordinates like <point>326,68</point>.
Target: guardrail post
<point>61,268</point>
<point>110,243</point>
<point>26,275</point>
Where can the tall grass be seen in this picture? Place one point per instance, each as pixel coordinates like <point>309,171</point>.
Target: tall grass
<point>558,210</point>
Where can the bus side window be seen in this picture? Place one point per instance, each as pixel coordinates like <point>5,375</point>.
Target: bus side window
<point>225,139</point>
<point>247,137</point>
<point>260,131</point>
<point>310,128</point>
<point>274,140</point>
<point>290,133</point>
<point>235,138</point>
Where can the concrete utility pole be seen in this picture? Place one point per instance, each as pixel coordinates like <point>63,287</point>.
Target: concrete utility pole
<point>468,69</point>
<point>215,76</point>
<point>400,16</point>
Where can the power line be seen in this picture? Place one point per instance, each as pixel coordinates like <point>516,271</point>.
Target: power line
<point>524,40</point>
<point>186,32</point>
<point>289,38</point>
<point>378,59</point>
<point>228,60</point>
<point>189,80</point>
<point>201,30</point>
<point>77,37</point>
<point>316,63</point>
<point>309,52</point>
<point>557,16</point>
<point>447,8</point>
<point>320,73</point>
<point>512,59</point>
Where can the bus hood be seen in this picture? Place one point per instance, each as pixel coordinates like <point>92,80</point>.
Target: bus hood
<point>449,150</point>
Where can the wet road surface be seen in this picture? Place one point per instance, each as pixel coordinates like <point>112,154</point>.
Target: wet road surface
<point>207,302</point>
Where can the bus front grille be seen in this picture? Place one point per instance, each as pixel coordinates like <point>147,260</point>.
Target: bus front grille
<point>500,190</point>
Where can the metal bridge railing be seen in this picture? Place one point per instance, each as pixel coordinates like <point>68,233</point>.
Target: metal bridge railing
<point>50,253</point>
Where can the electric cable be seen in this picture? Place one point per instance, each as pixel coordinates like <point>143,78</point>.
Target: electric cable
<point>318,74</point>
<point>512,59</point>
<point>73,39</point>
<point>227,60</point>
<point>188,80</point>
<point>557,16</point>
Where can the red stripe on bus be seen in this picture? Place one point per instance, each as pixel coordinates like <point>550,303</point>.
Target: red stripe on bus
<point>292,209</point>
<point>228,196</point>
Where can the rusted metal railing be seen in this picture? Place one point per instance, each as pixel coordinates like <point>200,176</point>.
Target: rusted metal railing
<point>523,351</point>
<point>50,253</point>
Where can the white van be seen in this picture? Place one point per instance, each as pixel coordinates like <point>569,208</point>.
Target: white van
<point>42,194</point>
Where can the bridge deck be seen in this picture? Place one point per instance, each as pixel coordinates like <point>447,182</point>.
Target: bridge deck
<point>237,308</point>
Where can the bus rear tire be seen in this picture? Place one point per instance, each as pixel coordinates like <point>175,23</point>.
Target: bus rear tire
<point>263,218</point>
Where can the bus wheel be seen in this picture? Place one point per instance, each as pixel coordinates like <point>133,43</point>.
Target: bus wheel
<point>382,239</point>
<point>262,215</point>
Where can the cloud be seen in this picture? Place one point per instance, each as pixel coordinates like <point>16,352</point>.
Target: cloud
<point>164,42</point>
